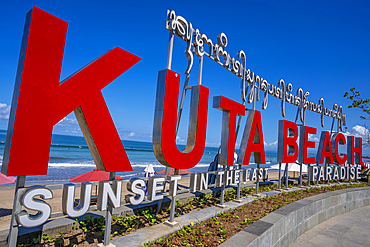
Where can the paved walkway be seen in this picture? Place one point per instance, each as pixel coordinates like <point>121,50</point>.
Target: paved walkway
<point>349,229</point>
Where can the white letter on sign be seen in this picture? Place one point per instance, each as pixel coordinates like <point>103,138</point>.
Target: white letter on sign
<point>69,196</point>
<point>173,185</point>
<point>27,200</point>
<point>314,172</point>
<point>140,193</point>
<point>106,192</point>
<point>154,187</point>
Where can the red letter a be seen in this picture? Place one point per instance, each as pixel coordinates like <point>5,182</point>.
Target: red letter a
<point>324,151</point>
<point>252,140</point>
<point>40,101</point>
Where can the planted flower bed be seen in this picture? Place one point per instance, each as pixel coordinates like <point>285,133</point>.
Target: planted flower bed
<point>216,230</point>
<point>87,231</point>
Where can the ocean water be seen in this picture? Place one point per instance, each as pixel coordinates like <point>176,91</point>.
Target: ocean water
<point>70,156</point>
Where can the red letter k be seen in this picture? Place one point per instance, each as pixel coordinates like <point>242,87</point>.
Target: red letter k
<point>40,101</point>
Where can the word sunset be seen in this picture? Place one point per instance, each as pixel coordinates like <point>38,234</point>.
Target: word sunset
<point>109,192</point>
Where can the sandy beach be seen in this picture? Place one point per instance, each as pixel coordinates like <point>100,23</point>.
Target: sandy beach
<point>7,197</point>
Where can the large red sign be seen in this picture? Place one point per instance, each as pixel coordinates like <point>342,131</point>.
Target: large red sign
<point>40,101</point>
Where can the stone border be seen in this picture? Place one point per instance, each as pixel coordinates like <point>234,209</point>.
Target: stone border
<point>283,226</point>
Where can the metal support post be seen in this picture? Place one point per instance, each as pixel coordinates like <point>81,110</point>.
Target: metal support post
<point>258,179</point>
<point>200,71</point>
<point>172,221</point>
<point>326,174</point>
<point>159,205</point>
<point>279,180</point>
<point>222,195</point>
<point>308,176</point>
<point>238,191</point>
<point>173,207</point>
<point>238,187</point>
<point>349,177</point>
<point>13,231</point>
<point>182,101</point>
<point>170,49</point>
<point>108,216</point>
<point>317,177</point>
<point>254,96</point>
<point>338,182</point>
<point>221,204</point>
<point>286,176</point>
<point>300,175</point>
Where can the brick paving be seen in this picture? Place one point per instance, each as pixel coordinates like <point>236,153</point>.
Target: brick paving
<point>347,230</point>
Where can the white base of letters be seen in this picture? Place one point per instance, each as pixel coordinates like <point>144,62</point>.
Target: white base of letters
<point>109,245</point>
<point>171,224</point>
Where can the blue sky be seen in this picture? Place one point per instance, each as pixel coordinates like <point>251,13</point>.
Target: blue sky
<point>320,46</point>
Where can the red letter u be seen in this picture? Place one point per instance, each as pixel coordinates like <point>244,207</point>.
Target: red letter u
<point>165,118</point>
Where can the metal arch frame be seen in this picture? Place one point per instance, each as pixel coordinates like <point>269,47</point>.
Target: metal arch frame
<point>178,25</point>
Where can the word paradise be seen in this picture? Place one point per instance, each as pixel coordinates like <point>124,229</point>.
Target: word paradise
<point>321,173</point>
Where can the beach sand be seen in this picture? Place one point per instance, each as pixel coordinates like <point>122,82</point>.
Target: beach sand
<point>7,198</point>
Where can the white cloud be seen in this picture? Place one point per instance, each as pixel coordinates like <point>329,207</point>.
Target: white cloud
<point>347,133</point>
<point>312,137</point>
<point>4,111</point>
<point>216,144</point>
<point>128,134</point>
<point>359,131</point>
<point>179,139</point>
<point>271,145</point>
<point>67,131</point>
<point>67,122</point>
<point>73,131</point>
<point>131,134</point>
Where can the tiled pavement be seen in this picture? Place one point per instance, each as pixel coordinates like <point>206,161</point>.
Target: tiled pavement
<point>347,230</point>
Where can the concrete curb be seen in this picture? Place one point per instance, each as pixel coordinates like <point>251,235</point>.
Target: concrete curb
<point>285,225</point>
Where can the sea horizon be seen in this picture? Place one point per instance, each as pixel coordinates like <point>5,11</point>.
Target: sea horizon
<point>70,156</point>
